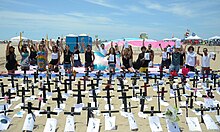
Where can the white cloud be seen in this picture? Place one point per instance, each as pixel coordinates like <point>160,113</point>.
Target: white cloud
<point>102,3</point>
<point>174,8</point>
<point>16,2</point>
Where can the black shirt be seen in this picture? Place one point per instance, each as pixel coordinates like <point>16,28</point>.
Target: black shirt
<point>88,56</point>
<point>67,56</point>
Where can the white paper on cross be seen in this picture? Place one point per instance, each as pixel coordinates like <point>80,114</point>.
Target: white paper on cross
<point>132,122</point>
<point>217,118</point>
<point>76,57</point>
<point>209,122</point>
<point>28,123</point>
<point>193,124</point>
<point>4,122</point>
<point>78,107</point>
<point>172,126</point>
<point>147,56</point>
<point>155,125</point>
<point>93,125</point>
<point>70,126</point>
<point>110,123</point>
<point>209,103</point>
<point>51,125</point>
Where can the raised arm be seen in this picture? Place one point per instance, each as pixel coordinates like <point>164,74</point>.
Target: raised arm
<point>143,42</point>
<point>93,56</point>
<point>198,51</point>
<point>7,48</point>
<point>112,44</point>
<point>19,46</point>
<point>61,45</point>
<point>97,43</point>
<point>161,47</point>
<point>48,47</point>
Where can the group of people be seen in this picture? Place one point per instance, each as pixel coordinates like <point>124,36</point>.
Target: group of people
<point>173,58</point>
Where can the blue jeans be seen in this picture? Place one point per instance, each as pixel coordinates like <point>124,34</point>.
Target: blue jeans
<point>67,66</point>
<point>174,67</point>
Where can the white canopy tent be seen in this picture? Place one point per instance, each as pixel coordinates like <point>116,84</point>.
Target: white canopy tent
<point>193,38</point>
<point>17,38</point>
<point>214,38</point>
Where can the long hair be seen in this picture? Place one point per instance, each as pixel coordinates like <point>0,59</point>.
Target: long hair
<point>109,52</point>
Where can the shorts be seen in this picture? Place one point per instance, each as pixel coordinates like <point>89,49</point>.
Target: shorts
<point>88,64</point>
<point>191,68</point>
<point>25,67</point>
<point>174,67</point>
<point>143,69</point>
<point>54,62</point>
<point>112,65</point>
<point>66,66</point>
<point>77,63</point>
<point>10,66</point>
<point>165,63</point>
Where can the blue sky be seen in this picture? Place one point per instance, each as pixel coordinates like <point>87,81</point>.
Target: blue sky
<point>110,19</point>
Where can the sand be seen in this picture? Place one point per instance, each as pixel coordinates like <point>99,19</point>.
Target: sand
<point>121,122</point>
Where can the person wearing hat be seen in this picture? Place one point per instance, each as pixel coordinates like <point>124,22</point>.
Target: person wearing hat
<point>11,64</point>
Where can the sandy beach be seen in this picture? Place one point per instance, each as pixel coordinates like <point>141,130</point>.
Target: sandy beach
<point>121,122</point>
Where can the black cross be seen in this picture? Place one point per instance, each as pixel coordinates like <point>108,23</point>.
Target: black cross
<point>134,78</point>
<point>217,108</point>
<point>12,81</point>
<point>48,83</point>
<point>9,96</point>
<point>59,98</point>
<point>152,111</point>
<point>89,111</point>
<point>32,88</point>
<point>70,81</point>
<point>146,86</point>
<point>26,81</point>
<point>124,98</point>
<point>133,90</point>
<point>178,92</point>
<point>130,107</point>
<point>3,89</point>
<point>146,76</point>
<point>40,98</point>
<point>209,93</point>
<point>175,96</point>
<point>94,95</point>
<point>202,109</point>
<point>72,113</point>
<point>158,96</point>
<point>44,93</point>
<point>142,102</point>
<point>190,100</point>
<point>23,94</point>
<point>79,95</point>
<point>121,81</point>
<point>84,79</point>
<point>195,80</point>
<point>162,93</point>
<point>29,107</point>
<point>186,106</point>
<point>98,75</point>
<point>35,77</point>
<point>48,112</point>
<point>87,72</point>
<point>5,110</point>
<point>108,96</point>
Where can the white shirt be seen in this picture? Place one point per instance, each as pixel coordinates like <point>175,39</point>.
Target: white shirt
<point>190,59</point>
<point>54,56</point>
<point>103,51</point>
<point>164,55</point>
<point>206,60</point>
<point>111,58</point>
